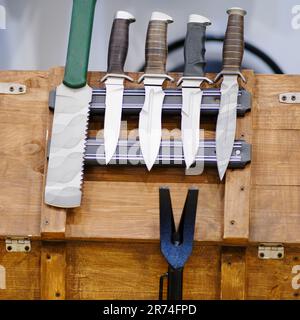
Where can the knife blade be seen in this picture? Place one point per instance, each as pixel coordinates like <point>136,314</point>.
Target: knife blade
<point>154,77</point>
<point>70,121</point>
<point>233,52</point>
<point>193,76</point>
<point>114,81</point>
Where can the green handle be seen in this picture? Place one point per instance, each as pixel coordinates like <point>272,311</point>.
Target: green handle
<point>79,43</point>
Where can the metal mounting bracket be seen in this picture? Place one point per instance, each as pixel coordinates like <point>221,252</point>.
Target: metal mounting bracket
<point>12,88</point>
<point>18,244</point>
<point>273,251</point>
<point>134,99</point>
<point>290,98</point>
<point>95,156</point>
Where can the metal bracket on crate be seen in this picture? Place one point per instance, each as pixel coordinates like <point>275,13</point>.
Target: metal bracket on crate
<point>273,251</point>
<point>12,88</point>
<point>17,244</point>
<point>134,99</point>
<point>290,98</point>
<point>176,245</point>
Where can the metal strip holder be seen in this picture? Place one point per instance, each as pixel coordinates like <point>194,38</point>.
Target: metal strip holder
<point>134,98</point>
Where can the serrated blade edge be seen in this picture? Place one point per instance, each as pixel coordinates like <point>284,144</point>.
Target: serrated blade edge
<point>67,149</point>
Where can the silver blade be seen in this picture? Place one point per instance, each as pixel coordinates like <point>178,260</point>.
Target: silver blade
<point>226,124</point>
<point>150,123</point>
<point>66,159</point>
<point>190,120</point>
<point>113,114</point>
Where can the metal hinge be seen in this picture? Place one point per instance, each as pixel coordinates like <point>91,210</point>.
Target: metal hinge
<point>17,244</point>
<point>273,251</point>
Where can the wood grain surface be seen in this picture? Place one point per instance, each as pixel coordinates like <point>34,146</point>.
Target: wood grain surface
<point>274,186</point>
<point>22,140</point>
<point>120,208</point>
<point>233,273</point>
<point>53,271</point>
<point>131,270</point>
<point>238,182</point>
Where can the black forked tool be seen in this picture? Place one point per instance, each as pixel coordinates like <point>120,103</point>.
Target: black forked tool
<point>176,245</point>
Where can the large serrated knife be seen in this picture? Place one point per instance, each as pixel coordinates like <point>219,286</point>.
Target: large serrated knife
<point>70,122</point>
<point>117,53</point>
<point>193,76</point>
<point>155,75</point>
<point>233,52</point>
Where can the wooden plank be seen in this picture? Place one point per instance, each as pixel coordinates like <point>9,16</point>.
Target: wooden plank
<point>53,220</point>
<point>53,271</point>
<point>271,114</point>
<point>233,273</point>
<point>134,214</point>
<point>132,270</point>
<point>276,158</point>
<point>22,135</point>
<point>272,279</point>
<point>275,214</point>
<point>117,200</point>
<point>22,274</point>
<point>238,183</point>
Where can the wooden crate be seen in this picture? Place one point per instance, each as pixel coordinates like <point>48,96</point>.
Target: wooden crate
<point>109,247</point>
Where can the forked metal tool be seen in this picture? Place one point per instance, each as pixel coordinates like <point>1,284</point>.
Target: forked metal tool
<point>176,244</point>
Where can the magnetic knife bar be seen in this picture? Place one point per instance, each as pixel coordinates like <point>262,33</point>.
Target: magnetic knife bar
<point>134,99</point>
<point>129,153</point>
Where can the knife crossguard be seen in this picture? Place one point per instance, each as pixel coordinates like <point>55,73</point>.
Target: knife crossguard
<point>194,78</point>
<point>233,49</point>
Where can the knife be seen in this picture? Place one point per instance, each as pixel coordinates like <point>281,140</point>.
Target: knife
<point>117,53</point>
<point>70,121</point>
<point>233,52</point>
<point>154,77</point>
<point>12,88</point>
<point>193,76</point>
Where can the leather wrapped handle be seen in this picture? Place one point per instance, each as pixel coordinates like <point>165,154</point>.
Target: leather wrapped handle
<point>79,43</point>
<point>233,49</point>
<point>157,46</point>
<point>194,48</point>
<point>118,44</point>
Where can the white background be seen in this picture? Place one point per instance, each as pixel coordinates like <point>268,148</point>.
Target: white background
<point>37,31</point>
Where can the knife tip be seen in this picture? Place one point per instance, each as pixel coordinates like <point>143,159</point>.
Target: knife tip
<point>222,172</point>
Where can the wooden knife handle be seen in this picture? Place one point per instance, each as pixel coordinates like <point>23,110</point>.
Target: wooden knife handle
<point>118,43</point>
<point>79,43</point>
<point>233,49</point>
<point>156,45</point>
<point>194,47</point>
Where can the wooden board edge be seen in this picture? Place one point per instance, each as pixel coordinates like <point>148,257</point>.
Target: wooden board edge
<point>238,182</point>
